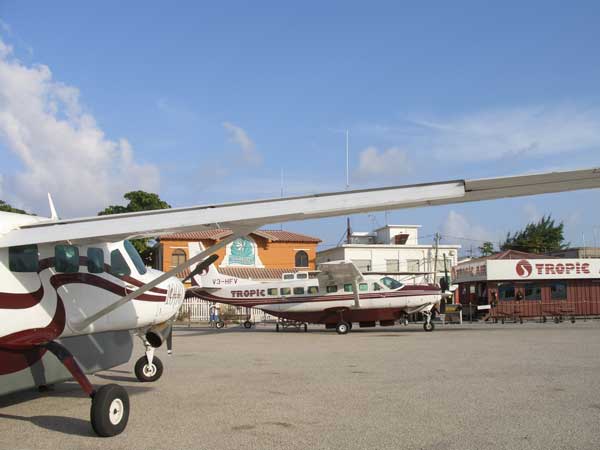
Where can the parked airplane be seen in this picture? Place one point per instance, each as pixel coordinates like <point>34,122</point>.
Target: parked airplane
<point>337,297</point>
<point>72,292</point>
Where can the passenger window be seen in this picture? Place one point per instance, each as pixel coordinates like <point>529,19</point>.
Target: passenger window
<point>332,288</point>
<point>348,288</point>
<point>376,287</point>
<point>363,287</point>
<point>558,291</point>
<point>272,291</point>
<point>66,258</point>
<point>24,258</point>
<point>298,291</point>
<point>285,291</point>
<point>95,260</point>
<point>118,265</point>
<point>313,290</point>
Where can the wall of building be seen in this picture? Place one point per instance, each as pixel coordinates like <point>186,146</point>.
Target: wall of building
<point>276,255</point>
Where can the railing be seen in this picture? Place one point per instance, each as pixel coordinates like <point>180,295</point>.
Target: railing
<point>538,309</point>
<point>195,309</point>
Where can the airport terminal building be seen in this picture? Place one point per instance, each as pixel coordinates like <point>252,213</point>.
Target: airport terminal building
<point>518,285</point>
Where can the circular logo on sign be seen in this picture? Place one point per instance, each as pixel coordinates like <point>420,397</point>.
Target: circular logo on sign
<point>524,268</point>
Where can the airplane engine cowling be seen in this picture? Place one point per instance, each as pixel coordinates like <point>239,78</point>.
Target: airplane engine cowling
<point>158,334</point>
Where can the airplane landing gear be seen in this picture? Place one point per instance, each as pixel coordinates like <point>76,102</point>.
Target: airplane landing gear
<point>342,328</point>
<point>428,325</point>
<point>109,411</point>
<point>148,368</point>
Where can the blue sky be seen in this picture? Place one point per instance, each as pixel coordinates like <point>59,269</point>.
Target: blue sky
<point>207,103</point>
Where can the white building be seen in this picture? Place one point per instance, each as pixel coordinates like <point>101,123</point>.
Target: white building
<point>395,250</point>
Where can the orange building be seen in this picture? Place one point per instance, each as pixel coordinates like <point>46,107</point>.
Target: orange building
<point>264,254</point>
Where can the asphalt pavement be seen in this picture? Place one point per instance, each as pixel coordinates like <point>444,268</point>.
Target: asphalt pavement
<point>531,386</point>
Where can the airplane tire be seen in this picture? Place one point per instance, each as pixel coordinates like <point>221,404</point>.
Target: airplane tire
<point>247,324</point>
<point>428,326</point>
<point>220,324</point>
<point>110,410</point>
<point>148,373</point>
<point>342,328</point>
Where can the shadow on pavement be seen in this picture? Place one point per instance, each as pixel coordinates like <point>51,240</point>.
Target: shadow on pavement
<point>66,425</point>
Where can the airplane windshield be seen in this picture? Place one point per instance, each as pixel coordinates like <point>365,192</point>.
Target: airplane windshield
<point>390,283</point>
<point>135,257</point>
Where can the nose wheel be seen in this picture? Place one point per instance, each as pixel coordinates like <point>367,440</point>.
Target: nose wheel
<point>148,368</point>
<point>342,328</point>
<point>428,325</point>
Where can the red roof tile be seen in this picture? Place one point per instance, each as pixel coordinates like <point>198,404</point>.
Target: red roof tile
<point>217,234</point>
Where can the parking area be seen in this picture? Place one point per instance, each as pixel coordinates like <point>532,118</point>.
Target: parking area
<point>531,386</point>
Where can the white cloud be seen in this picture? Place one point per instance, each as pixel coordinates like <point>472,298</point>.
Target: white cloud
<point>458,229</point>
<point>386,163</point>
<point>61,148</point>
<point>239,136</point>
<point>515,132</point>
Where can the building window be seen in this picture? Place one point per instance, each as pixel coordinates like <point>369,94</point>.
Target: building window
<point>506,292</point>
<point>392,265</point>
<point>412,265</point>
<point>558,291</point>
<point>24,258</point>
<point>533,292</point>
<point>177,257</point>
<point>301,259</point>
<point>364,265</point>
<point>95,260</point>
<point>298,291</point>
<point>332,288</point>
<point>66,258</point>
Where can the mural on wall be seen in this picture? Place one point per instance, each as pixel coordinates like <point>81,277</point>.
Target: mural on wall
<point>242,252</point>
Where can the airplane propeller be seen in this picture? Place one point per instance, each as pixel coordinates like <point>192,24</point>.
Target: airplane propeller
<point>201,267</point>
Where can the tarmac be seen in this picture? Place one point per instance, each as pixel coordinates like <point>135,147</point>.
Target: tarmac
<point>471,386</point>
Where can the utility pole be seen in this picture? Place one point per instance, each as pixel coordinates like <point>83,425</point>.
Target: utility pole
<point>437,244</point>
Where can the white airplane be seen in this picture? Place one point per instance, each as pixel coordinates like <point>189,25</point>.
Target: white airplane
<point>73,292</point>
<point>337,297</point>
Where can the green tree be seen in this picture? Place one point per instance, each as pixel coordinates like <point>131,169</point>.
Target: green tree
<point>537,237</point>
<point>7,208</point>
<point>139,201</point>
<point>487,249</point>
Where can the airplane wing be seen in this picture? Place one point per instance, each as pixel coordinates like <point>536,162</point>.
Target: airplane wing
<point>339,272</point>
<point>254,214</point>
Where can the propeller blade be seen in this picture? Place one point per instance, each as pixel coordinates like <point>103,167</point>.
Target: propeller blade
<point>201,266</point>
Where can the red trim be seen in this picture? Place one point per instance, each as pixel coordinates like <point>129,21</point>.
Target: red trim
<point>21,301</point>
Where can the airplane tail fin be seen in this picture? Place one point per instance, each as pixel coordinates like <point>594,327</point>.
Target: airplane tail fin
<point>209,277</point>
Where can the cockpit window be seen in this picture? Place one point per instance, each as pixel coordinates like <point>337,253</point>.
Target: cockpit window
<point>135,257</point>
<point>390,283</point>
<point>118,265</point>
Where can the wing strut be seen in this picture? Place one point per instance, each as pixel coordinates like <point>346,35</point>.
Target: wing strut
<point>239,232</point>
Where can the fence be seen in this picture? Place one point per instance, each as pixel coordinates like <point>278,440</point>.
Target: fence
<point>537,309</point>
<point>198,310</point>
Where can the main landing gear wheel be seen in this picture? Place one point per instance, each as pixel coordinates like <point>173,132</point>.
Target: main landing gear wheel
<point>148,372</point>
<point>247,324</point>
<point>110,410</point>
<point>428,326</point>
<point>220,324</point>
<point>342,328</point>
